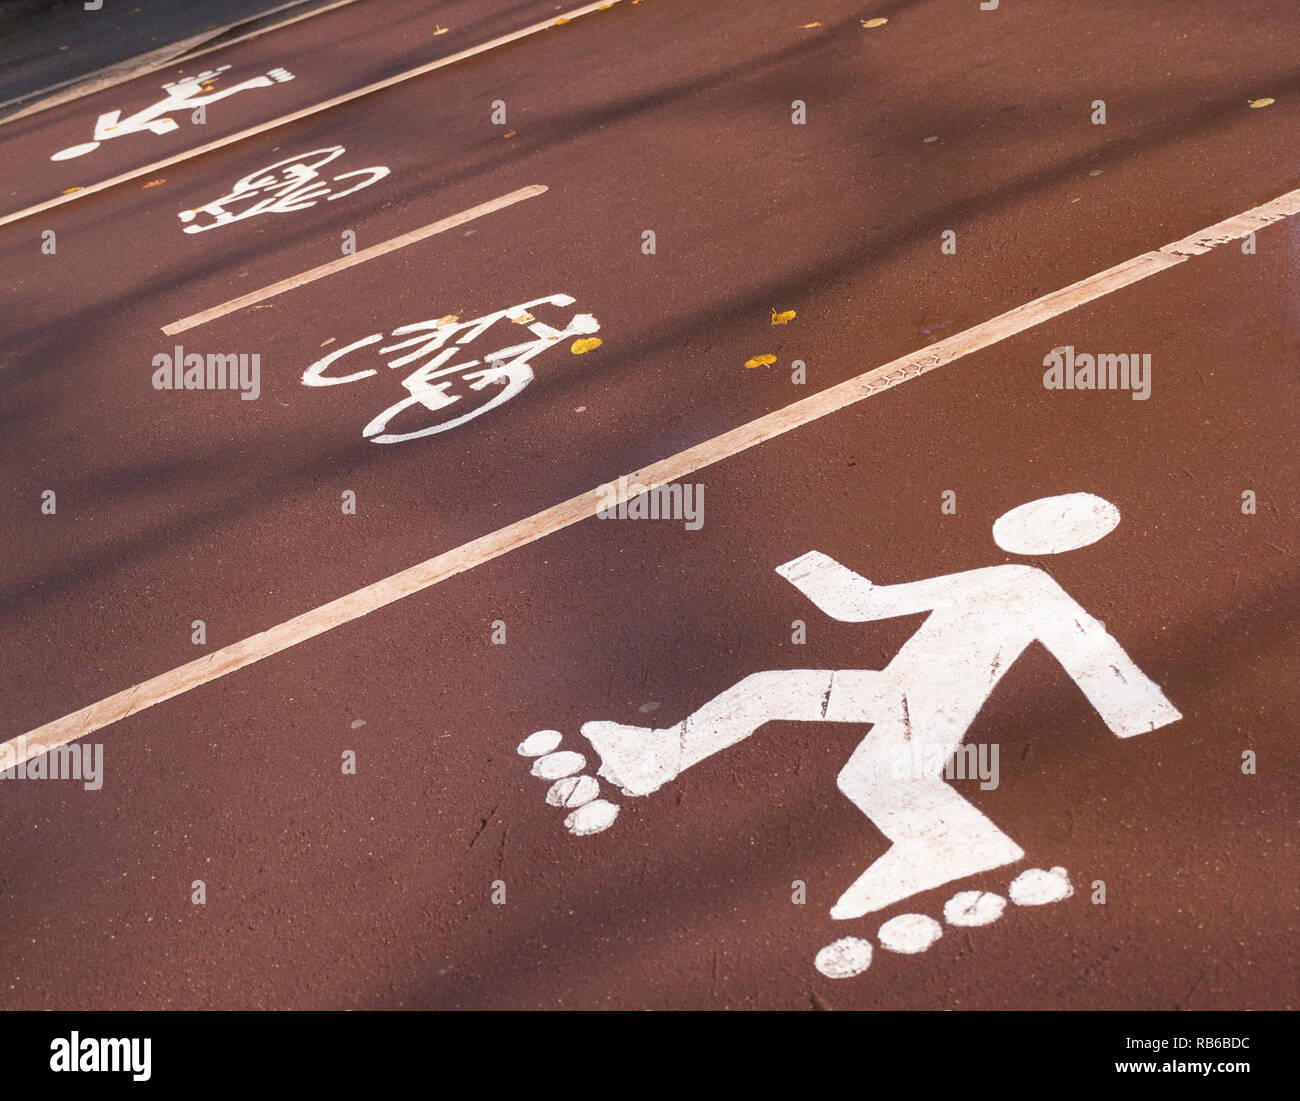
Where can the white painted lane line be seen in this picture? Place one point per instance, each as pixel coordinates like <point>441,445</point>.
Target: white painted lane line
<point>384,247</point>
<point>306,112</point>
<point>416,578</point>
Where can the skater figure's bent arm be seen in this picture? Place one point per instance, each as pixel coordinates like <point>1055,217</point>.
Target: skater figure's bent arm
<point>851,598</point>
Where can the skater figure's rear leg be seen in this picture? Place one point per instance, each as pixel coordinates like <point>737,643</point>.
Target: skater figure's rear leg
<point>640,760</point>
<point>937,835</point>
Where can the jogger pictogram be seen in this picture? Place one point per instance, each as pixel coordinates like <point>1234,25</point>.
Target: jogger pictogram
<point>185,94</point>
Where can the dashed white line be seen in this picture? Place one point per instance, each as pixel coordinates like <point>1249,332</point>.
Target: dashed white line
<point>391,245</point>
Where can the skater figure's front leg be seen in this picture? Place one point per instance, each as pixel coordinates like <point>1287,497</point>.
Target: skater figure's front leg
<point>640,760</point>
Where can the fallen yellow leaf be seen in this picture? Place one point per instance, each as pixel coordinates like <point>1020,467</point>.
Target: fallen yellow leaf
<point>580,346</point>
<point>873,22</point>
<point>783,318</point>
<point>561,21</point>
<point>153,183</point>
<point>70,190</point>
<point>508,134</point>
<point>760,361</point>
<point>807,26</point>
<point>1261,102</point>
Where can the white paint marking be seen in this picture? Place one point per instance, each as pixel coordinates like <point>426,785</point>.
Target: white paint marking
<point>539,743</point>
<point>909,933</point>
<point>287,185</point>
<point>182,95</point>
<point>345,262</point>
<point>592,818</point>
<point>1052,525</point>
<point>416,578</point>
<point>845,958</point>
<point>921,704</point>
<point>306,112</point>
<point>1037,887</point>
<point>556,765</point>
<point>573,791</point>
<point>432,386</point>
<point>973,908</point>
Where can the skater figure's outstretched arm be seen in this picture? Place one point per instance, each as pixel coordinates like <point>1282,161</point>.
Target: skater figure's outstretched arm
<point>1125,697</point>
<point>849,597</point>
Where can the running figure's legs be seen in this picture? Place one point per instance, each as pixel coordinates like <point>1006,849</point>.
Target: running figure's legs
<point>937,835</point>
<point>895,777</point>
<point>641,760</point>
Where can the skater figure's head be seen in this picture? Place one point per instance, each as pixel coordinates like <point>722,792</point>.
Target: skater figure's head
<point>1051,525</point>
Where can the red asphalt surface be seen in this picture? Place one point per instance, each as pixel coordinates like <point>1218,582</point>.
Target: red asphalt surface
<point>375,890</point>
